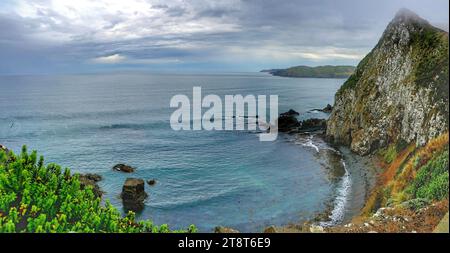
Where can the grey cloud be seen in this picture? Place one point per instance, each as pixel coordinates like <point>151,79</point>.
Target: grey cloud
<point>262,29</point>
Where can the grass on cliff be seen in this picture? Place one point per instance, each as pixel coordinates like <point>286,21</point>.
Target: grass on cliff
<point>39,198</point>
<point>413,173</point>
<point>430,52</point>
<point>356,76</point>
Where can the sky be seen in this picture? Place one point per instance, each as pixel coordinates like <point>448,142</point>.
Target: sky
<point>83,36</point>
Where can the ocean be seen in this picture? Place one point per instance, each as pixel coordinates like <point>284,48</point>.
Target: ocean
<point>91,122</point>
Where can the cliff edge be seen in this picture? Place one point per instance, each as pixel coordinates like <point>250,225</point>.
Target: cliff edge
<point>399,91</point>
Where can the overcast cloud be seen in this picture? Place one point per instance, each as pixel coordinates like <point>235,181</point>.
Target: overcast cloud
<point>59,36</point>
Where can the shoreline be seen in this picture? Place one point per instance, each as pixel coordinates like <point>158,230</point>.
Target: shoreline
<point>357,176</point>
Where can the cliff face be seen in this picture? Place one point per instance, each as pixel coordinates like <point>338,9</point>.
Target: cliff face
<point>399,91</point>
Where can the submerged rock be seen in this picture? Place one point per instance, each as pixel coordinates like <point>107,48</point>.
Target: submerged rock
<point>151,182</point>
<point>133,194</point>
<point>123,168</point>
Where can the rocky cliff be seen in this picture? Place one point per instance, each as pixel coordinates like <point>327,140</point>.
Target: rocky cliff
<point>399,91</point>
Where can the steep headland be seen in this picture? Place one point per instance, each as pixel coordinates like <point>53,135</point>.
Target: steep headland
<point>395,107</point>
<point>399,91</point>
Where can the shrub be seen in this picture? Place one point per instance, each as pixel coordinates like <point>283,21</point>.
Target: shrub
<point>39,198</point>
<point>431,181</point>
<point>437,189</point>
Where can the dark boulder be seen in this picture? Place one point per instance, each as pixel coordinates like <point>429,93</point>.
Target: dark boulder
<point>290,113</point>
<point>328,108</point>
<point>123,168</point>
<point>133,194</point>
<point>151,182</point>
<point>287,121</point>
<point>313,124</point>
<point>90,180</point>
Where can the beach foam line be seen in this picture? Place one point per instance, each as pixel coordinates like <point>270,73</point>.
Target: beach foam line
<point>309,143</point>
<point>337,214</point>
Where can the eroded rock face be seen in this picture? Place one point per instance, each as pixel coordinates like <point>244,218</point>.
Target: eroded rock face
<point>399,91</point>
<point>133,194</point>
<point>287,123</point>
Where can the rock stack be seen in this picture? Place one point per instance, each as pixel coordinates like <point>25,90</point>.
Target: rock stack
<point>133,194</point>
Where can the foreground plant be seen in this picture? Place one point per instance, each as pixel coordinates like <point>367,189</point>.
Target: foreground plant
<point>39,198</point>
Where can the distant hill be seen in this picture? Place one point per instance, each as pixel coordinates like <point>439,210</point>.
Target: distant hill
<point>327,71</point>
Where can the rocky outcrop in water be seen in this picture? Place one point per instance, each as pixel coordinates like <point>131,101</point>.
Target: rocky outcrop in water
<point>327,108</point>
<point>123,168</point>
<point>291,112</point>
<point>399,91</point>
<point>133,194</point>
<point>288,122</point>
<point>151,182</point>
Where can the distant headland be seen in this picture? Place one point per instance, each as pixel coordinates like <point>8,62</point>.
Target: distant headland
<point>327,71</point>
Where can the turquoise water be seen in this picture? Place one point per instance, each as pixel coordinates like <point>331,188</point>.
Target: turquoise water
<point>92,122</point>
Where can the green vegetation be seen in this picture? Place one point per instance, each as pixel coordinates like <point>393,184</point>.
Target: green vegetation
<point>39,198</point>
<point>327,71</point>
<point>430,51</point>
<point>431,181</point>
<point>415,175</point>
<point>389,154</point>
<point>354,78</point>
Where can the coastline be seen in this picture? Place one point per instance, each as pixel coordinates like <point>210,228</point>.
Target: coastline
<point>356,177</point>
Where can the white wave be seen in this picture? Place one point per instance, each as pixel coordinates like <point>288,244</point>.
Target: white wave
<point>309,143</point>
<point>337,214</point>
